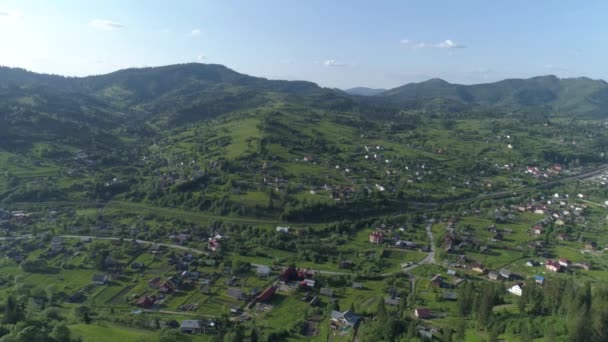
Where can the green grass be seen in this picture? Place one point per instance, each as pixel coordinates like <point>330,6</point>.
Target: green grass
<point>109,333</point>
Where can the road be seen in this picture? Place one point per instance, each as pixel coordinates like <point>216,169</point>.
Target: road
<point>430,257</point>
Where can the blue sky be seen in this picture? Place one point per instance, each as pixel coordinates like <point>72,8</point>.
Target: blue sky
<point>334,43</point>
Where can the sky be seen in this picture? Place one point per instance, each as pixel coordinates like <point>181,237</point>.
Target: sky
<point>335,43</point>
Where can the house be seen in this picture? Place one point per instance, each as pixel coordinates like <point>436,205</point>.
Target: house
<point>236,293</point>
<point>505,273</point>
<point>392,301</point>
<point>283,229</point>
<point>190,326</point>
<point>405,244</point>
<point>531,263</point>
<point>516,289</point>
<point>267,294</point>
<point>437,281</point>
<point>346,319</point>
<point>422,313</point>
<point>263,270</point>
<point>307,284</point>
<point>590,246</point>
<point>564,262</point>
<point>537,229</point>
<point>452,272</point>
<point>346,264</point>
<point>376,237</point>
<point>145,302</point>
<point>553,266</point>
<point>324,291</point>
<point>493,275</point>
<point>357,285</point>
<point>540,280</point>
<point>583,265</point>
<point>213,244</point>
<point>99,279</point>
<point>478,268</point>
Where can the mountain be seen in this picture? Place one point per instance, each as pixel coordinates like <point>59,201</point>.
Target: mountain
<point>205,137</point>
<point>580,97</point>
<point>364,91</point>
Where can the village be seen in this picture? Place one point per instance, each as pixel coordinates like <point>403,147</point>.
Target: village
<point>191,277</point>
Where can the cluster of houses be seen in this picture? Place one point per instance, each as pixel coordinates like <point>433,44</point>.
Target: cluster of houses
<point>534,171</point>
<point>378,237</point>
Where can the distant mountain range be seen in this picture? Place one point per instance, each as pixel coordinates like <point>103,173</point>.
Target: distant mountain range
<point>179,94</point>
<point>577,97</point>
<point>364,91</point>
<point>241,131</point>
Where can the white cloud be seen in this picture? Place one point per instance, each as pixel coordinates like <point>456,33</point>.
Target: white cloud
<point>103,24</point>
<point>4,13</point>
<point>449,44</point>
<point>446,44</point>
<point>201,57</point>
<point>195,32</point>
<point>333,63</point>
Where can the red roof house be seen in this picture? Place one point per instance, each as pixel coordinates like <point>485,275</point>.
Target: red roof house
<point>422,313</point>
<point>376,237</point>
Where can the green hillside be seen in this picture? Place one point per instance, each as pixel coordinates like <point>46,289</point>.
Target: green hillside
<point>569,97</point>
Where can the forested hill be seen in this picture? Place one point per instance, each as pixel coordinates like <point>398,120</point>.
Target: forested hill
<point>204,137</point>
<point>571,97</point>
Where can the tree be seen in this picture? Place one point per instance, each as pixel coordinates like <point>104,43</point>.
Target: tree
<point>13,312</point>
<point>61,333</point>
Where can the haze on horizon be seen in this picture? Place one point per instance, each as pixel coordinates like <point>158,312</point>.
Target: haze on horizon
<point>339,44</point>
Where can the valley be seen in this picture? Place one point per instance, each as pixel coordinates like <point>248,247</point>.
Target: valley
<point>194,203</point>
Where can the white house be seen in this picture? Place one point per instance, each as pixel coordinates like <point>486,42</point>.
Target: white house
<point>516,289</point>
<point>283,229</point>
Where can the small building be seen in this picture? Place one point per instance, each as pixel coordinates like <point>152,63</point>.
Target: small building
<point>263,270</point>
<point>357,285</point>
<point>376,237</point>
<point>145,302</point>
<point>493,275</point>
<point>506,273</point>
<point>324,291</point>
<point>346,319</point>
<point>516,289</point>
<point>437,281</point>
<point>190,326</point>
<point>307,284</point>
<point>236,293</point>
<point>540,280</point>
<point>531,263</point>
<point>452,272</point>
<point>478,268</point>
<point>564,262</point>
<point>584,265</point>
<point>422,313</point>
<point>283,229</point>
<point>267,294</point>
<point>553,266</point>
<point>405,244</point>
<point>591,246</point>
<point>392,301</point>
<point>99,279</point>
